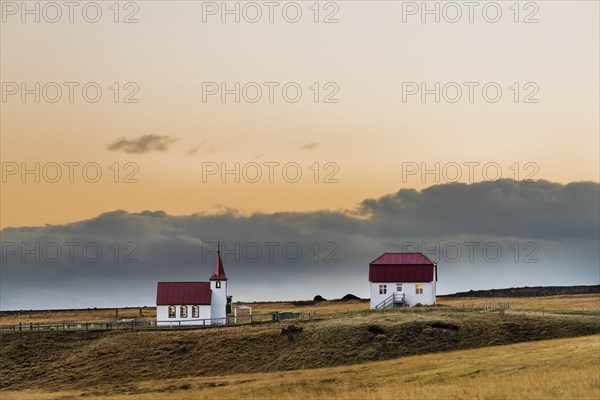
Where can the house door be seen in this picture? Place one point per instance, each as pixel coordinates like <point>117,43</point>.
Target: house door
<point>228,307</point>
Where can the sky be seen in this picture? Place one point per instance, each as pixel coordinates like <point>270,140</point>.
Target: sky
<point>344,129</point>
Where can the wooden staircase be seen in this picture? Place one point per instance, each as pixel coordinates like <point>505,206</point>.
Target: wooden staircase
<point>395,300</point>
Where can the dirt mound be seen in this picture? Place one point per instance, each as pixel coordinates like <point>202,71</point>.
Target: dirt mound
<point>376,329</point>
<point>291,330</point>
<point>445,325</point>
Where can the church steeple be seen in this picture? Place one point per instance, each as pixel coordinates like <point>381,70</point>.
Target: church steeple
<point>218,270</point>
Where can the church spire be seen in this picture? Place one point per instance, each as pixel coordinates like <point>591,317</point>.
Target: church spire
<point>218,271</point>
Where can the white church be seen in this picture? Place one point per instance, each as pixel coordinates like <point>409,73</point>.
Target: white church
<point>194,303</point>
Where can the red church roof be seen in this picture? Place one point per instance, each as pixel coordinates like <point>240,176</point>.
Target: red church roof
<point>172,293</point>
<point>402,267</point>
<point>218,270</point>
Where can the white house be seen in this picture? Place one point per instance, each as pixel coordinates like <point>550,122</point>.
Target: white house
<point>194,303</point>
<point>402,279</point>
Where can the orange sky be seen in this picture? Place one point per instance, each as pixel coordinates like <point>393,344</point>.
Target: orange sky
<point>364,139</point>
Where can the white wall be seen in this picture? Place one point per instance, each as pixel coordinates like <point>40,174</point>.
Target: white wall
<point>162,316</point>
<point>408,288</point>
<point>219,300</point>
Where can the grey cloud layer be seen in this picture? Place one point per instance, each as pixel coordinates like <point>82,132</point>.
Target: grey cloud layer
<point>563,220</point>
<point>542,210</point>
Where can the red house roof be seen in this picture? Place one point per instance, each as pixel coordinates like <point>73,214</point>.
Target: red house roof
<point>172,293</point>
<point>218,270</point>
<point>402,259</point>
<point>402,267</point>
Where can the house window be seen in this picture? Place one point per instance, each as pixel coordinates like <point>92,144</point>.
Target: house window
<point>398,287</point>
<point>171,311</point>
<point>382,289</point>
<point>419,289</point>
<point>218,284</point>
<point>195,312</point>
<point>183,312</point>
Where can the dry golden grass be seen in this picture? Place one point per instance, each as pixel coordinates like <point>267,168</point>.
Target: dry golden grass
<point>335,357</point>
<point>84,315</point>
<point>552,369</point>
<point>584,303</point>
<point>319,307</point>
<point>573,303</point>
<point>79,361</point>
<point>107,315</point>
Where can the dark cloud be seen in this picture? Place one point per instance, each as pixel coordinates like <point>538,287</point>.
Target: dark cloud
<point>142,144</point>
<point>547,234</point>
<point>540,209</point>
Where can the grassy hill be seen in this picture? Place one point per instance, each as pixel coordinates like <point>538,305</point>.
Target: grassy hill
<point>59,361</point>
<point>344,339</point>
<point>549,369</point>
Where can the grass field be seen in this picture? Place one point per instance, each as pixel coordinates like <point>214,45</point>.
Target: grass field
<point>568,304</point>
<point>90,315</point>
<point>346,352</point>
<point>583,304</point>
<point>551,369</point>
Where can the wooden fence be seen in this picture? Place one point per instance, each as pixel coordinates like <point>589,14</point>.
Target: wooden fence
<point>493,305</point>
<point>486,306</point>
<point>149,325</point>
